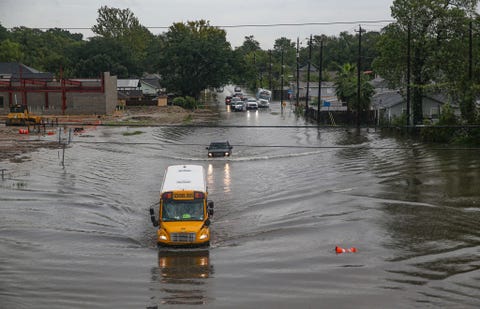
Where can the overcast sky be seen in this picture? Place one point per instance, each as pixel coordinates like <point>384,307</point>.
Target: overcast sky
<point>161,13</point>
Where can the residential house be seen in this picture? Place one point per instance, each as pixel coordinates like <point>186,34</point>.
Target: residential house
<point>303,72</point>
<point>329,99</point>
<point>138,89</point>
<point>390,104</point>
<point>14,71</point>
<point>150,85</point>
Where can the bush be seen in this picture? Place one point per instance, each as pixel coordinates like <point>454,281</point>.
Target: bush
<point>185,102</point>
<point>179,101</point>
<point>190,103</point>
<point>399,121</point>
<point>440,132</point>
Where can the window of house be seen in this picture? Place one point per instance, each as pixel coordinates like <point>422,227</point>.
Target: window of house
<point>1,102</point>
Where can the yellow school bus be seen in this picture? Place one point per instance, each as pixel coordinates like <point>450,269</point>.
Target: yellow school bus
<point>184,212</point>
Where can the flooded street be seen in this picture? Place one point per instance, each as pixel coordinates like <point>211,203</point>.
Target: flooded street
<point>80,236</point>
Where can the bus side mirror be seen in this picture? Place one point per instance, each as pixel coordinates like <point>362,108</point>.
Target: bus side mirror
<point>210,208</point>
<point>152,217</point>
<point>207,222</point>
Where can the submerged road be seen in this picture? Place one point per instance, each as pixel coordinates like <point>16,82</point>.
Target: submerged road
<point>80,236</point>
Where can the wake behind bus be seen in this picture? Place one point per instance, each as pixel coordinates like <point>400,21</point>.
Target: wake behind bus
<point>184,210</point>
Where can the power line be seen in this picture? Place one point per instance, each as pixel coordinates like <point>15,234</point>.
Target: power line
<point>379,21</point>
<point>309,24</point>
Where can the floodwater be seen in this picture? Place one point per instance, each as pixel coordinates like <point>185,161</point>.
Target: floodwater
<point>79,235</point>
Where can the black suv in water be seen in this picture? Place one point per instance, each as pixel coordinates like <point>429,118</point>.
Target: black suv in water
<point>219,149</point>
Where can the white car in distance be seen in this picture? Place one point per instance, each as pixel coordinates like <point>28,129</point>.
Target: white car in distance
<point>252,104</point>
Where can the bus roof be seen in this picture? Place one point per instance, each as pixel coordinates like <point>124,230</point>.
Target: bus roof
<point>184,177</point>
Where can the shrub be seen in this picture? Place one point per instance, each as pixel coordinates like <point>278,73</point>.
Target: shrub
<point>440,132</point>
<point>185,102</point>
<point>179,101</point>
<point>190,103</point>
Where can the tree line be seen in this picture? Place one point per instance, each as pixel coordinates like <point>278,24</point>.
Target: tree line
<point>436,42</point>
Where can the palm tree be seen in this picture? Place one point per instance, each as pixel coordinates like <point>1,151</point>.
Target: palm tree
<point>346,88</point>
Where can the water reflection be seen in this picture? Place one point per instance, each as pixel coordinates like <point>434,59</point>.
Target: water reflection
<point>226,177</point>
<point>181,275</point>
<point>210,175</point>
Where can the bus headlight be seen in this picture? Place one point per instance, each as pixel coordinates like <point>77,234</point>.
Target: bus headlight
<point>162,235</point>
<point>209,154</point>
<point>227,154</point>
<point>203,236</point>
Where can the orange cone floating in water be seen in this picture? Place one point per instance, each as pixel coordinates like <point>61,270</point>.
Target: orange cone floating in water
<point>345,250</point>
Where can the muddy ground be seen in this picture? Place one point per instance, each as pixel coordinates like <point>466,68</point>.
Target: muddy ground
<point>16,147</point>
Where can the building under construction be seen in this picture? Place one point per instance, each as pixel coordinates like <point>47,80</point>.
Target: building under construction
<point>46,95</point>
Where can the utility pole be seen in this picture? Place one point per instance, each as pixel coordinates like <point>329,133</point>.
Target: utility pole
<point>308,73</point>
<point>255,66</point>
<point>470,51</point>
<point>298,73</point>
<point>469,105</point>
<point>359,64</point>
<point>408,74</point>
<point>281,85</point>
<point>270,71</point>
<point>320,77</point>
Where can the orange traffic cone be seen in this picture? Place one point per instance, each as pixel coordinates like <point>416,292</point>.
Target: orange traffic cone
<point>340,250</point>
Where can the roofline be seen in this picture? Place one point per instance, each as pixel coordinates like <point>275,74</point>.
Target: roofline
<point>194,181</point>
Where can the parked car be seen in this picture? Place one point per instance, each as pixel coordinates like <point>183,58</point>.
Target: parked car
<point>237,89</point>
<point>219,149</point>
<point>251,104</point>
<point>228,100</point>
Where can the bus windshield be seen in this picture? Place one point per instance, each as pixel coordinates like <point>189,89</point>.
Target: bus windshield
<point>173,210</point>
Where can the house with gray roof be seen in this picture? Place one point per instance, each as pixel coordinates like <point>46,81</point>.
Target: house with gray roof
<point>14,71</point>
<point>329,99</point>
<point>390,104</point>
<point>139,88</point>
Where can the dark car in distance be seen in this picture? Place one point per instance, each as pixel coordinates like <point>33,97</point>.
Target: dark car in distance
<point>219,149</point>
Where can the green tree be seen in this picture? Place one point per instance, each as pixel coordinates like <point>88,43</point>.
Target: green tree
<point>45,50</point>
<point>249,45</point>
<point>434,28</point>
<point>101,54</point>
<point>4,34</point>
<point>122,25</point>
<point>152,52</point>
<point>195,56</point>
<point>346,84</point>
<point>288,48</point>
<point>250,63</point>
<point>10,51</point>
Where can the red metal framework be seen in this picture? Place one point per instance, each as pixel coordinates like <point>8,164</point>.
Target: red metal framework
<point>63,86</point>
